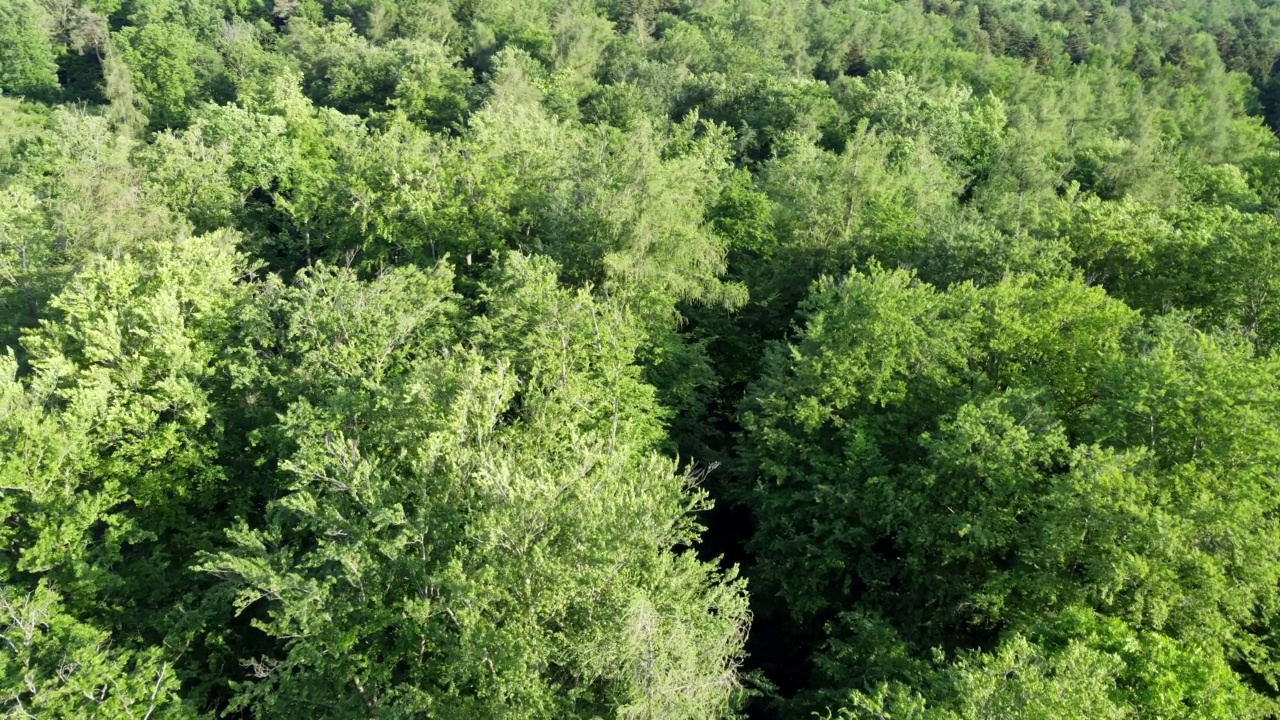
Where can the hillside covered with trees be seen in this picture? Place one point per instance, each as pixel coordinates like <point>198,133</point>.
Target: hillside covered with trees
<point>654,359</point>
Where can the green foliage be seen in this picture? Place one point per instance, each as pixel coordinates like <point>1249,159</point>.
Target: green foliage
<point>1018,681</point>
<point>989,458</point>
<point>73,197</point>
<point>113,439</point>
<point>344,71</point>
<point>108,445</point>
<point>475,529</point>
<point>161,56</point>
<point>1208,258</point>
<point>28,60</point>
<point>57,667</point>
<point>384,357</point>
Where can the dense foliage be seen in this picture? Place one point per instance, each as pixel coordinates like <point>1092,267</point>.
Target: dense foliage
<point>852,359</point>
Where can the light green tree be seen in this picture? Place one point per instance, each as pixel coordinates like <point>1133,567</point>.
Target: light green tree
<point>981,460</point>
<point>475,527</point>
<point>28,59</point>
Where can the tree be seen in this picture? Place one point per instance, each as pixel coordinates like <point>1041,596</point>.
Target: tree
<point>161,56</point>
<point>28,60</point>
<point>480,528</point>
<point>978,461</point>
<point>1209,259</point>
<point>110,479</point>
<point>57,667</point>
<point>382,358</point>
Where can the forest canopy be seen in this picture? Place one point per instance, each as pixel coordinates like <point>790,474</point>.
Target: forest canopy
<point>843,359</point>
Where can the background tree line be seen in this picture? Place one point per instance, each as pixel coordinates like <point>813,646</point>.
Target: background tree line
<point>640,358</point>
